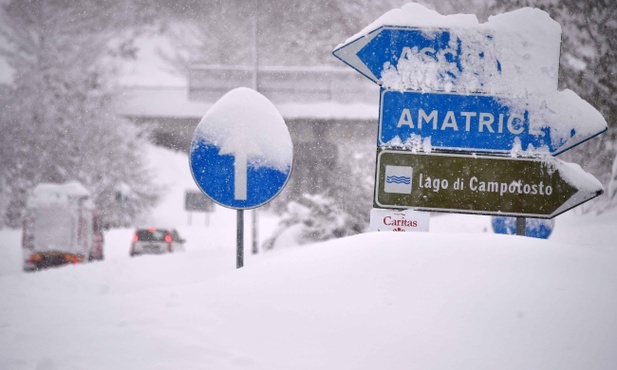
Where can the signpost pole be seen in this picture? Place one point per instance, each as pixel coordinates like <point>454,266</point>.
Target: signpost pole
<point>240,239</point>
<point>255,235</point>
<point>521,226</point>
<point>255,218</point>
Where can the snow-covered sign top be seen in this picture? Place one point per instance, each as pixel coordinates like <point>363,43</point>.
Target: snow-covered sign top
<point>512,53</point>
<point>48,194</point>
<point>245,120</point>
<point>242,153</point>
<point>513,57</point>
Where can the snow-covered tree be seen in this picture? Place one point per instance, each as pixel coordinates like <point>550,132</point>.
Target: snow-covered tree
<point>340,207</point>
<point>57,120</point>
<point>313,218</point>
<point>588,67</point>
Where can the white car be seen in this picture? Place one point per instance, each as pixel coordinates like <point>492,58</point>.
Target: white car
<point>156,241</point>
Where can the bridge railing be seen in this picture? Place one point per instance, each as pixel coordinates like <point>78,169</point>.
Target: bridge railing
<point>283,84</point>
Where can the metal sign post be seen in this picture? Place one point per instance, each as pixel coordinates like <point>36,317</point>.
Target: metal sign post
<point>255,234</point>
<point>240,238</point>
<point>520,226</point>
<point>241,154</point>
<point>255,83</point>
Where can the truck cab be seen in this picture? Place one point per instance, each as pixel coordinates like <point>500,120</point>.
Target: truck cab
<point>61,226</point>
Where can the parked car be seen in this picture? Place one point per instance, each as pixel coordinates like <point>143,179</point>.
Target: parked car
<point>156,241</point>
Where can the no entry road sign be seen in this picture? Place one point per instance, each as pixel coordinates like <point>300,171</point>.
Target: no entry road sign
<point>479,184</point>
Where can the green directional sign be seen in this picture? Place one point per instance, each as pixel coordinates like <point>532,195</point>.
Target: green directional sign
<point>542,188</point>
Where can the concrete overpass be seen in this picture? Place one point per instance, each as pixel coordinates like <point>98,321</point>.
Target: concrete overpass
<point>323,108</point>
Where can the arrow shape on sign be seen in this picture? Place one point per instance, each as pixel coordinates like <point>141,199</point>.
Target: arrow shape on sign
<point>480,123</point>
<point>414,48</point>
<point>348,54</point>
<point>240,146</point>
<point>532,187</point>
<point>453,55</point>
<point>240,182</point>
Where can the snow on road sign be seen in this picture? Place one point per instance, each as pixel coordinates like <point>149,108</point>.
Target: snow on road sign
<point>486,124</point>
<point>241,155</point>
<point>415,48</point>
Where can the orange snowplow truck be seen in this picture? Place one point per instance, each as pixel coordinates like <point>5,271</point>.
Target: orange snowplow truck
<point>61,226</point>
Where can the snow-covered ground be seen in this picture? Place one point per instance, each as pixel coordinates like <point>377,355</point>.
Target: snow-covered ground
<point>457,296</point>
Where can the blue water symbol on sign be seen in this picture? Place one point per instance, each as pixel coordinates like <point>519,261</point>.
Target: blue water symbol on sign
<point>453,122</point>
<point>398,180</point>
<point>385,46</point>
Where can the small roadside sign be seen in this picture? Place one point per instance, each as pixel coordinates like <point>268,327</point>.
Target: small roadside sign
<point>196,201</point>
<point>398,220</point>
<point>541,188</point>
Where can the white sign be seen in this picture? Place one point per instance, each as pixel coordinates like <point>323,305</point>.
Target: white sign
<point>398,220</point>
<point>398,179</point>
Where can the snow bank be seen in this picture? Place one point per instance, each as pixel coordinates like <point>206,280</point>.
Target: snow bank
<point>377,300</point>
<point>455,297</point>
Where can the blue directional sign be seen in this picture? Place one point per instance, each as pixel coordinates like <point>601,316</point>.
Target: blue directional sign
<point>435,85</point>
<point>534,227</point>
<point>239,157</point>
<point>470,123</point>
<point>387,45</point>
<point>230,181</point>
